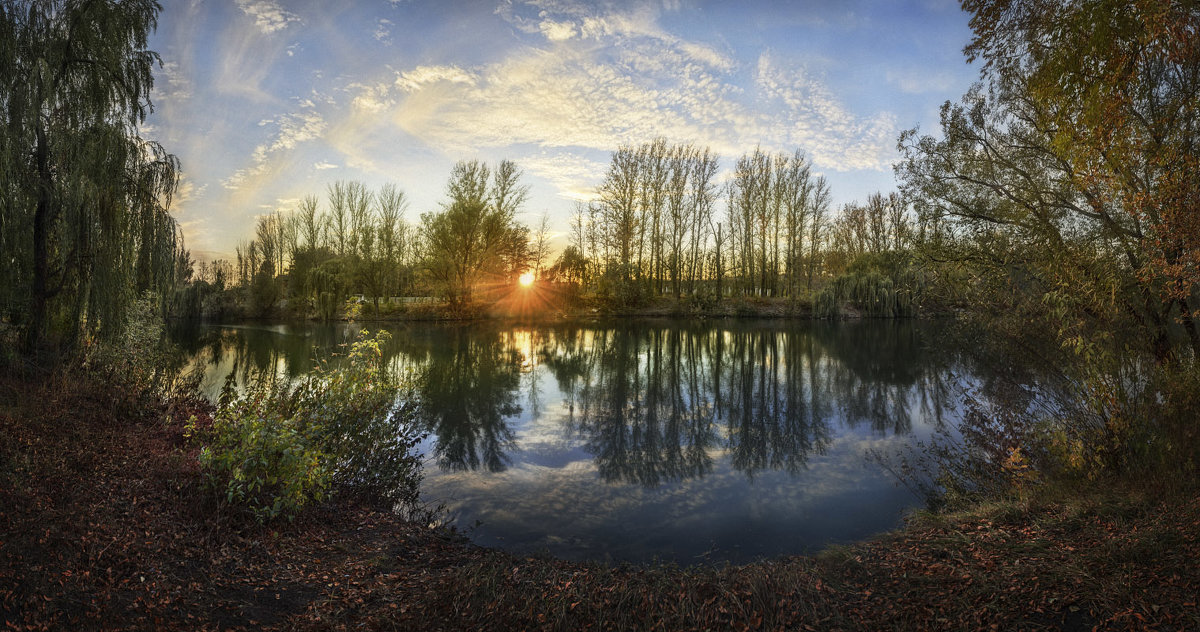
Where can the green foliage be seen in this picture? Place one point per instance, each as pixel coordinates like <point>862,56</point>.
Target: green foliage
<point>276,447</point>
<point>187,301</point>
<point>264,290</point>
<point>139,364</point>
<point>328,289</point>
<point>883,285</point>
<point>618,288</point>
<point>476,238</point>
<point>84,221</point>
<point>261,462</point>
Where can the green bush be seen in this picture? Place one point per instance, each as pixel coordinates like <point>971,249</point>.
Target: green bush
<point>276,447</point>
<point>619,288</point>
<point>138,365</point>
<point>263,463</point>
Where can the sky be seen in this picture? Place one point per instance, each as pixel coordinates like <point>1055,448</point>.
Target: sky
<point>267,101</point>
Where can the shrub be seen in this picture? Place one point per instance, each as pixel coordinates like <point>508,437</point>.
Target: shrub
<point>277,447</point>
<point>138,365</point>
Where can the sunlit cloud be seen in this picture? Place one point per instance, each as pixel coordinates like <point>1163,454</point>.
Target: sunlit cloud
<point>178,85</point>
<point>187,191</point>
<point>574,176</point>
<point>569,98</point>
<point>262,98</point>
<point>291,130</point>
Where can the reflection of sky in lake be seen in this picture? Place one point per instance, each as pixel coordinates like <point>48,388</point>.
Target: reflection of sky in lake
<point>566,510</point>
<point>682,441</point>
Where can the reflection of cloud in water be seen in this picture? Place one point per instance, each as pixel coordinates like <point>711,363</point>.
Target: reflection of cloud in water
<point>570,512</point>
<point>638,440</point>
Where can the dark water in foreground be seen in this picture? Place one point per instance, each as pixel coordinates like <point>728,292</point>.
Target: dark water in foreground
<point>633,441</point>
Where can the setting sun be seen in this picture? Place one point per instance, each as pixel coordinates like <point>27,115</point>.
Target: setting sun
<point>525,279</point>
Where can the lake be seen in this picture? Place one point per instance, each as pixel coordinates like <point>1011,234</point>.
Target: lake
<point>684,441</point>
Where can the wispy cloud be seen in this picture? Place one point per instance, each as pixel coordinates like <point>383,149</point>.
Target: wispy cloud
<point>268,16</point>
<point>178,85</point>
<point>290,130</point>
<point>920,81</point>
<point>187,191</point>
<point>816,121</point>
<point>573,98</point>
<point>573,175</point>
<point>627,83</point>
<point>383,31</point>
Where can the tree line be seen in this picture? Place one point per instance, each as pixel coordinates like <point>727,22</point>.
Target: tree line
<point>656,228</point>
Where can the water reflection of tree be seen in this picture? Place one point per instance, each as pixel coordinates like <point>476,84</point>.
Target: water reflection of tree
<point>468,389</point>
<point>283,351</point>
<point>649,400</point>
<point>651,403</point>
<point>638,412</point>
<point>878,370</point>
<point>774,420</point>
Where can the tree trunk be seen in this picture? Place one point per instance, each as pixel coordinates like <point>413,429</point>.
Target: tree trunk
<point>39,294</point>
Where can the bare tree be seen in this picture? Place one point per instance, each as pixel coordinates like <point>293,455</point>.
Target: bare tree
<point>540,250</point>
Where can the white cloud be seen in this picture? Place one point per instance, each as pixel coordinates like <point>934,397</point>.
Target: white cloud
<point>383,31</point>
<point>555,103</point>
<point>178,84</point>
<point>628,82</point>
<point>268,16</point>
<point>818,123</point>
<point>322,165</point>
<point>559,21</point>
<point>557,31</point>
<point>574,176</point>
<point>293,129</point>
<point>187,191</point>
<point>290,130</point>
<point>579,98</point>
<point>421,76</point>
<point>371,98</point>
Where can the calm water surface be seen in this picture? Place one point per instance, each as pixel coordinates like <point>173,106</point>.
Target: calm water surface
<point>689,442</point>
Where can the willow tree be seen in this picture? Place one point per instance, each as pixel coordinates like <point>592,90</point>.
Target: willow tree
<point>84,225</point>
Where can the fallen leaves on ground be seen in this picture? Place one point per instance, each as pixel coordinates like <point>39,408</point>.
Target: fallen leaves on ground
<point>104,523</point>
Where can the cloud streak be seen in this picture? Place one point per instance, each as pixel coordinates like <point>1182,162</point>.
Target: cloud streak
<point>291,130</point>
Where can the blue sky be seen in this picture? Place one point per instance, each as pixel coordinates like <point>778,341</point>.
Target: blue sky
<point>265,101</point>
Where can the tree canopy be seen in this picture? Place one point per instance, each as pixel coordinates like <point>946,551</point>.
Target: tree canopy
<point>476,238</point>
<point>84,224</point>
<point>1069,174</point>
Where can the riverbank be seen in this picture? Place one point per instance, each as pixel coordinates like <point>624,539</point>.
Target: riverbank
<point>103,523</point>
<point>546,310</point>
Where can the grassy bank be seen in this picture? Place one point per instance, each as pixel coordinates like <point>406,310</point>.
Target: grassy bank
<point>103,524</point>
